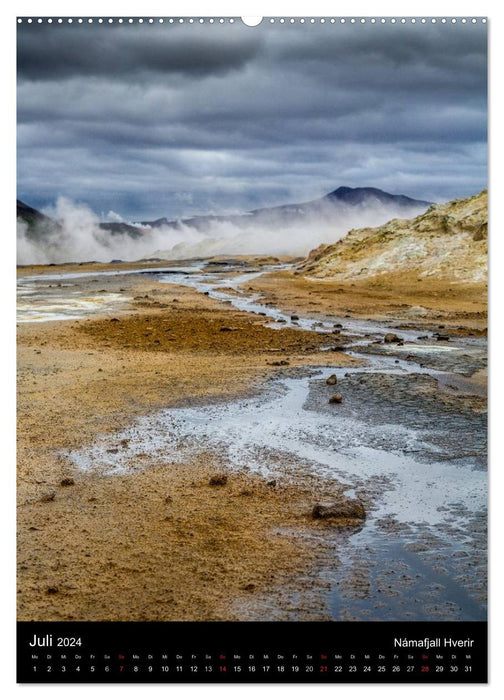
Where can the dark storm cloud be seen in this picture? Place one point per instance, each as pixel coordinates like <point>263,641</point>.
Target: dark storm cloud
<point>175,119</point>
<point>50,52</point>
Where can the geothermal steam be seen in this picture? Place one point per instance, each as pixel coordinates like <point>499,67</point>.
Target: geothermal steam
<point>78,236</point>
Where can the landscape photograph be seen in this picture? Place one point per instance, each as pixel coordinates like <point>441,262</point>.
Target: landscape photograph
<point>251,320</point>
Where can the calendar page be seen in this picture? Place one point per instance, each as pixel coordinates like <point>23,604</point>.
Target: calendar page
<point>252,349</point>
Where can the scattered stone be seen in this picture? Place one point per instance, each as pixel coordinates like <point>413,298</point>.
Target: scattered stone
<point>271,483</point>
<point>67,481</point>
<point>338,348</point>
<point>52,590</point>
<point>114,320</point>
<point>249,587</point>
<point>279,363</point>
<point>336,398</point>
<point>439,336</point>
<point>218,480</point>
<point>294,317</point>
<point>332,380</point>
<point>48,497</point>
<point>350,508</point>
<point>225,328</point>
<point>392,338</point>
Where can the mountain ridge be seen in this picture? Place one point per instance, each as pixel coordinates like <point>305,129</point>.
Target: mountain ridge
<point>324,207</point>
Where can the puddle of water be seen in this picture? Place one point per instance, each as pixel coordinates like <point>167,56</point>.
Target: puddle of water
<point>64,307</point>
<point>388,582</point>
<point>245,432</point>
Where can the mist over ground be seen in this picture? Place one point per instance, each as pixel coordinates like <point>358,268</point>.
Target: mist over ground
<point>76,236</point>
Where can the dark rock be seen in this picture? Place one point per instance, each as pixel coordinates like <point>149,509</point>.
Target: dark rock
<point>279,363</point>
<point>338,348</point>
<point>225,329</point>
<point>271,483</point>
<point>336,398</point>
<point>344,509</point>
<point>48,497</point>
<point>332,380</point>
<point>294,317</point>
<point>392,338</point>
<point>249,587</point>
<point>52,590</point>
<point>114,320</point>
<point>218,480</point>
<point>442,337</point>
<point>67,481</point>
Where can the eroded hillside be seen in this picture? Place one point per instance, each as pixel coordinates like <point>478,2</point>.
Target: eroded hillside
<point>446,243</point>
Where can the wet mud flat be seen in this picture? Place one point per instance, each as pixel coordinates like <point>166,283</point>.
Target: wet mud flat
<point>391,444</point>
<point>408,440</point>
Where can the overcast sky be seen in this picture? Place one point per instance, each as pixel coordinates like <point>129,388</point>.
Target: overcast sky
<point>173,120</point>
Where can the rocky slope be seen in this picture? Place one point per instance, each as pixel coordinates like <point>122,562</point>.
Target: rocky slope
<point>448,242</point>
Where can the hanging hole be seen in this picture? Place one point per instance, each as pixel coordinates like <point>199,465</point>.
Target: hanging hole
<point>251,21</point>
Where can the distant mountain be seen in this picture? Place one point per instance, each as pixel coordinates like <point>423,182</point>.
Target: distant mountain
<point>39,225</point>
<point>36,222</point>
<point>448,242</point>
<point>119,228</point>
<point>361,195</point>
<point>341,200</point>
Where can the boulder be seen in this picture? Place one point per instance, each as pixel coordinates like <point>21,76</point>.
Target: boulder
<point>48,497</point>
<point>336,398</point>
<point>332,380</point>
<point>392,338</point>
<point>343,509</point>
<point>218,480</point>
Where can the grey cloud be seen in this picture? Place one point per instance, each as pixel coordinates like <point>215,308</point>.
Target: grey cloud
<point>127,118</point>
<point>55,52</point>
